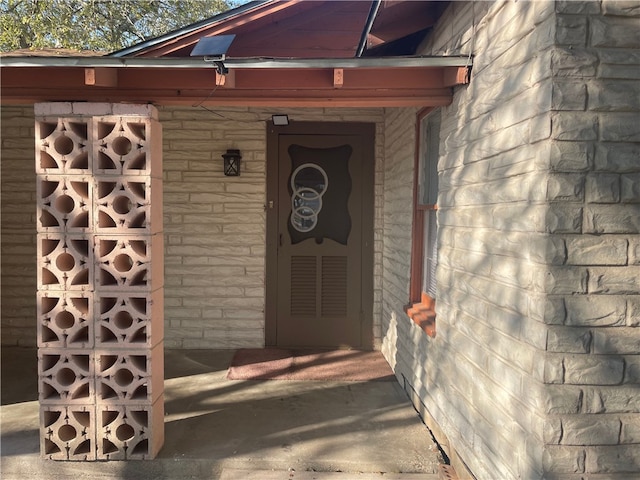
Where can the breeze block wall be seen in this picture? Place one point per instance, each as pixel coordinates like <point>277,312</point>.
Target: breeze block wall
<point>100,311</point>
<point>533,370</point>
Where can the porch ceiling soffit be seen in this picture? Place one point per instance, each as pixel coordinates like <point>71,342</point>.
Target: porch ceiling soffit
<point>365,82</point>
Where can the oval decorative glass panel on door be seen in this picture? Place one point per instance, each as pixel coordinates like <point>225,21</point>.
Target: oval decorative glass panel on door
<point>309,182</point>
<point>320,185</point>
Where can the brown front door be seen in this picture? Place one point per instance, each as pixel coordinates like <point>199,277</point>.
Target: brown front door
<point>319,252</point>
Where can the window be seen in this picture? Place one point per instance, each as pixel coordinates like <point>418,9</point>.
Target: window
<point>424,255</point>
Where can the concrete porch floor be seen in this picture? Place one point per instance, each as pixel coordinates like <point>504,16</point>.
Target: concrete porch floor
<point>231,430</point>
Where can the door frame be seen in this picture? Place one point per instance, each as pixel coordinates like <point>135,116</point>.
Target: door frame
<point>367,133</point>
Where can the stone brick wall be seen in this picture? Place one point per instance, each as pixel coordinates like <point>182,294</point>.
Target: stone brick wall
<point>19,251</point>
<point>214,226</point>
<point>399,333</point>
<point>593,340</point>
<point>215,230</point>
<point>533,371</point>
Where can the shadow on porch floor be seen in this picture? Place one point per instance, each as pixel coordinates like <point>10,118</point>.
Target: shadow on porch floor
<point>222,429</point>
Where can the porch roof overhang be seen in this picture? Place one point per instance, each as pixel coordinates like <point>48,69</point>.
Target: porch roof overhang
<point>288,82</point>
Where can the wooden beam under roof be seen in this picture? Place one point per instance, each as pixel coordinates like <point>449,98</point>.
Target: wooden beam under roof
<point>101,77</point>
<point>374,87</point>
<point>283,99</point>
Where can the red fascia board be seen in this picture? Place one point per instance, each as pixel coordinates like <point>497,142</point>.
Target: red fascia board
<point>251,79</point>
<point>260,87</point>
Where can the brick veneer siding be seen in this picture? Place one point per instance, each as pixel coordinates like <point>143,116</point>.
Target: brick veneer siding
<point>18,212</point>
<point>534,368</point>
<point>593,341</point>
<point>214,226</point>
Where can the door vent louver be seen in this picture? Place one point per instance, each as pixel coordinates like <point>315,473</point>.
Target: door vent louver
<point>303,285</point>
<point>334,286</point>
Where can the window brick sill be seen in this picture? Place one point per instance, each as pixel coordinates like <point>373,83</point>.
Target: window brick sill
<point>424,315</point>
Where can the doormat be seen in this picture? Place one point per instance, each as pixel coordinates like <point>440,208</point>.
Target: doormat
<point>326,365</point>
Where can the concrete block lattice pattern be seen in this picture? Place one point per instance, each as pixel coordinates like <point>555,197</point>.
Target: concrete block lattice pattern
<point>65,319</point>
<point>130,431</point>
<point>100,284</point>
<point>64,203</point>
<point>67,432</point>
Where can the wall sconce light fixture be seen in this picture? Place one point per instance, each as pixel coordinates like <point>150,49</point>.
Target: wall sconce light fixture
<point>280,120</point>
<point>232,163</point>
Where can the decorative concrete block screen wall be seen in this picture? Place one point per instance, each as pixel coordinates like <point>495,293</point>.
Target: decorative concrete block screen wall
<point>100,310</point>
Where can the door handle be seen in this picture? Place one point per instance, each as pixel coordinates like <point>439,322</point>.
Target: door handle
<point>280,240</point>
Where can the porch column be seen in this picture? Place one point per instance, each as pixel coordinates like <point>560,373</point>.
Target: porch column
<point>100,292</point>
